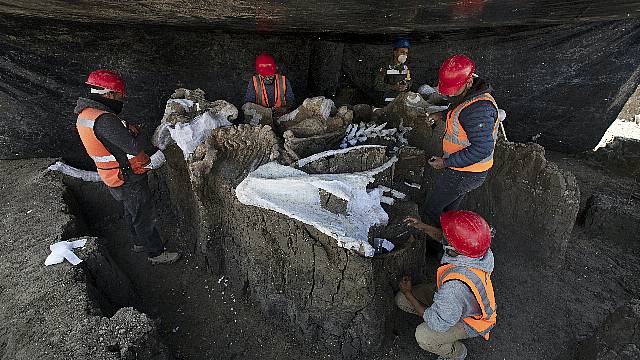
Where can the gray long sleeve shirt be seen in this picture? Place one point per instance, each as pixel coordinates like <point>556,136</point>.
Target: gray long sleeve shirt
<point>454,300</point>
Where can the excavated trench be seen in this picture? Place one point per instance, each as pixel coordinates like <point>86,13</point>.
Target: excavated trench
<point>282,288</point>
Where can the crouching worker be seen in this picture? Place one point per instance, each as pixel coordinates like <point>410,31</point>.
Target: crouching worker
<point>461,303</point>
<point>122,164</point>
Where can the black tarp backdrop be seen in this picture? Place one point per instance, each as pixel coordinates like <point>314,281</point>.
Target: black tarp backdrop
<point>561,84</point>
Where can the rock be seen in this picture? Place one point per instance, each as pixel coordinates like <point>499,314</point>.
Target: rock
<point>308,127</point>
<point>332,203</point>
<point>255,114</point>
<point>362,113</point>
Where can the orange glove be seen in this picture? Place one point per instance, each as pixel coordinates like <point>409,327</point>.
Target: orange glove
<point>139,162</point>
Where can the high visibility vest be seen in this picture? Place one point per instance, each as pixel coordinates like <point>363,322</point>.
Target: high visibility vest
<point>108,167</point>
<point>480,284</point>
<point>279,92</point>
<point>455,138</point>
<point>394,76</point>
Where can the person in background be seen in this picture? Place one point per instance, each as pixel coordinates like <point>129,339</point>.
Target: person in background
<point>393,76</point>
<point>269,89</point>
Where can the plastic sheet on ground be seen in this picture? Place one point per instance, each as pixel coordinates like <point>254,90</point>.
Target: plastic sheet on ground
<point>295,193</point>
<point>63,250</point>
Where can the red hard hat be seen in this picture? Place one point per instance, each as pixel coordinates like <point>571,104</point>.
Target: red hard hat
<point>265,65</point>
<point>454,73</point>
<point>106,79</point>
<point>467,232</point>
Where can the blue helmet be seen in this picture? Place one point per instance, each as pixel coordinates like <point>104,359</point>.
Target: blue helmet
<point>401,42</point>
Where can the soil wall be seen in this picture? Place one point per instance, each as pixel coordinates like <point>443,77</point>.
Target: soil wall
<point>61,311</point>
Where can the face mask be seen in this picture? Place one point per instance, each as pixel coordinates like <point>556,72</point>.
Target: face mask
<point>116,106</point>
<point>402,58</point>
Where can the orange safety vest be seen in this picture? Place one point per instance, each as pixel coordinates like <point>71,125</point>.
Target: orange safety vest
<point>280,91</point>
<point>107,165</point>
<point>480,284</point>
<point>455,138</point>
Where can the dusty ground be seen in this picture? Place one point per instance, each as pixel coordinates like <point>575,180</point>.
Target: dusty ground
<point>542,312</point>
<point>47,312</point>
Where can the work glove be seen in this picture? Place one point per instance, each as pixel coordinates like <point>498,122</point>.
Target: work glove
<point>157,160</point>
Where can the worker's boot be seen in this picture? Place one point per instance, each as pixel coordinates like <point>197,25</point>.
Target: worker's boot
<point>164,258</point>
<point>462,354</point>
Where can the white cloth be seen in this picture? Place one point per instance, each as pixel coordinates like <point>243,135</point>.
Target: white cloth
<point>64,250</point>
<point>157,160</point>
<point>90,176</point>
<point>295,193</point>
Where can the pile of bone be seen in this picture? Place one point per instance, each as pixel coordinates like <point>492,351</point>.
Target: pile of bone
<point>369,132</point>
<point>189,118</point>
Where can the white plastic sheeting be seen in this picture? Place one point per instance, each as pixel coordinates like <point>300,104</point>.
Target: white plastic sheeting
<point>188,136</point>
<point>90,176</point>
<point>64,250</point>
<point>191,134</point>
<point>295,193</point>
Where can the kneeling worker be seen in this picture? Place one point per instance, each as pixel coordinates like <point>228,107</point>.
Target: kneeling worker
<point>461,303</point>
<point>113,145</point>
<point>269,89</point>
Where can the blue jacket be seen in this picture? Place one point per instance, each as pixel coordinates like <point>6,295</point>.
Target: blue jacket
<point>477,120</point>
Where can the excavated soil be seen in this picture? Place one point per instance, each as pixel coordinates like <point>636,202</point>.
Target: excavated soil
<point>61,312</point>
<point>544,312</point>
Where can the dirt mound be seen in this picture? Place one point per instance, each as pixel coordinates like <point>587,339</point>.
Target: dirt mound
<point>60,311</point>
<point>329,295</point>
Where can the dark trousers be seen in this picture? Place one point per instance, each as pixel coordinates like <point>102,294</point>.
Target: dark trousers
<point>139,214</point>
<point>451,188</point>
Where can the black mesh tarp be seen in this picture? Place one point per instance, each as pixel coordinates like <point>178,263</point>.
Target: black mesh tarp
<point>561,84</point>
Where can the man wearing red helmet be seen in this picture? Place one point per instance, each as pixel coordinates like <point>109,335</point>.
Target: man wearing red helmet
<point>469,140</point>
<point>461,304</point>
<point>268,88</point>
<point>119,155</point>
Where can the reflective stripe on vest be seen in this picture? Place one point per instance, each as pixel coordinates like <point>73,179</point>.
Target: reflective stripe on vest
<point>107,165</point>
<point>455,138</point>
<point>480,284</point>
<point>279,91</point>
